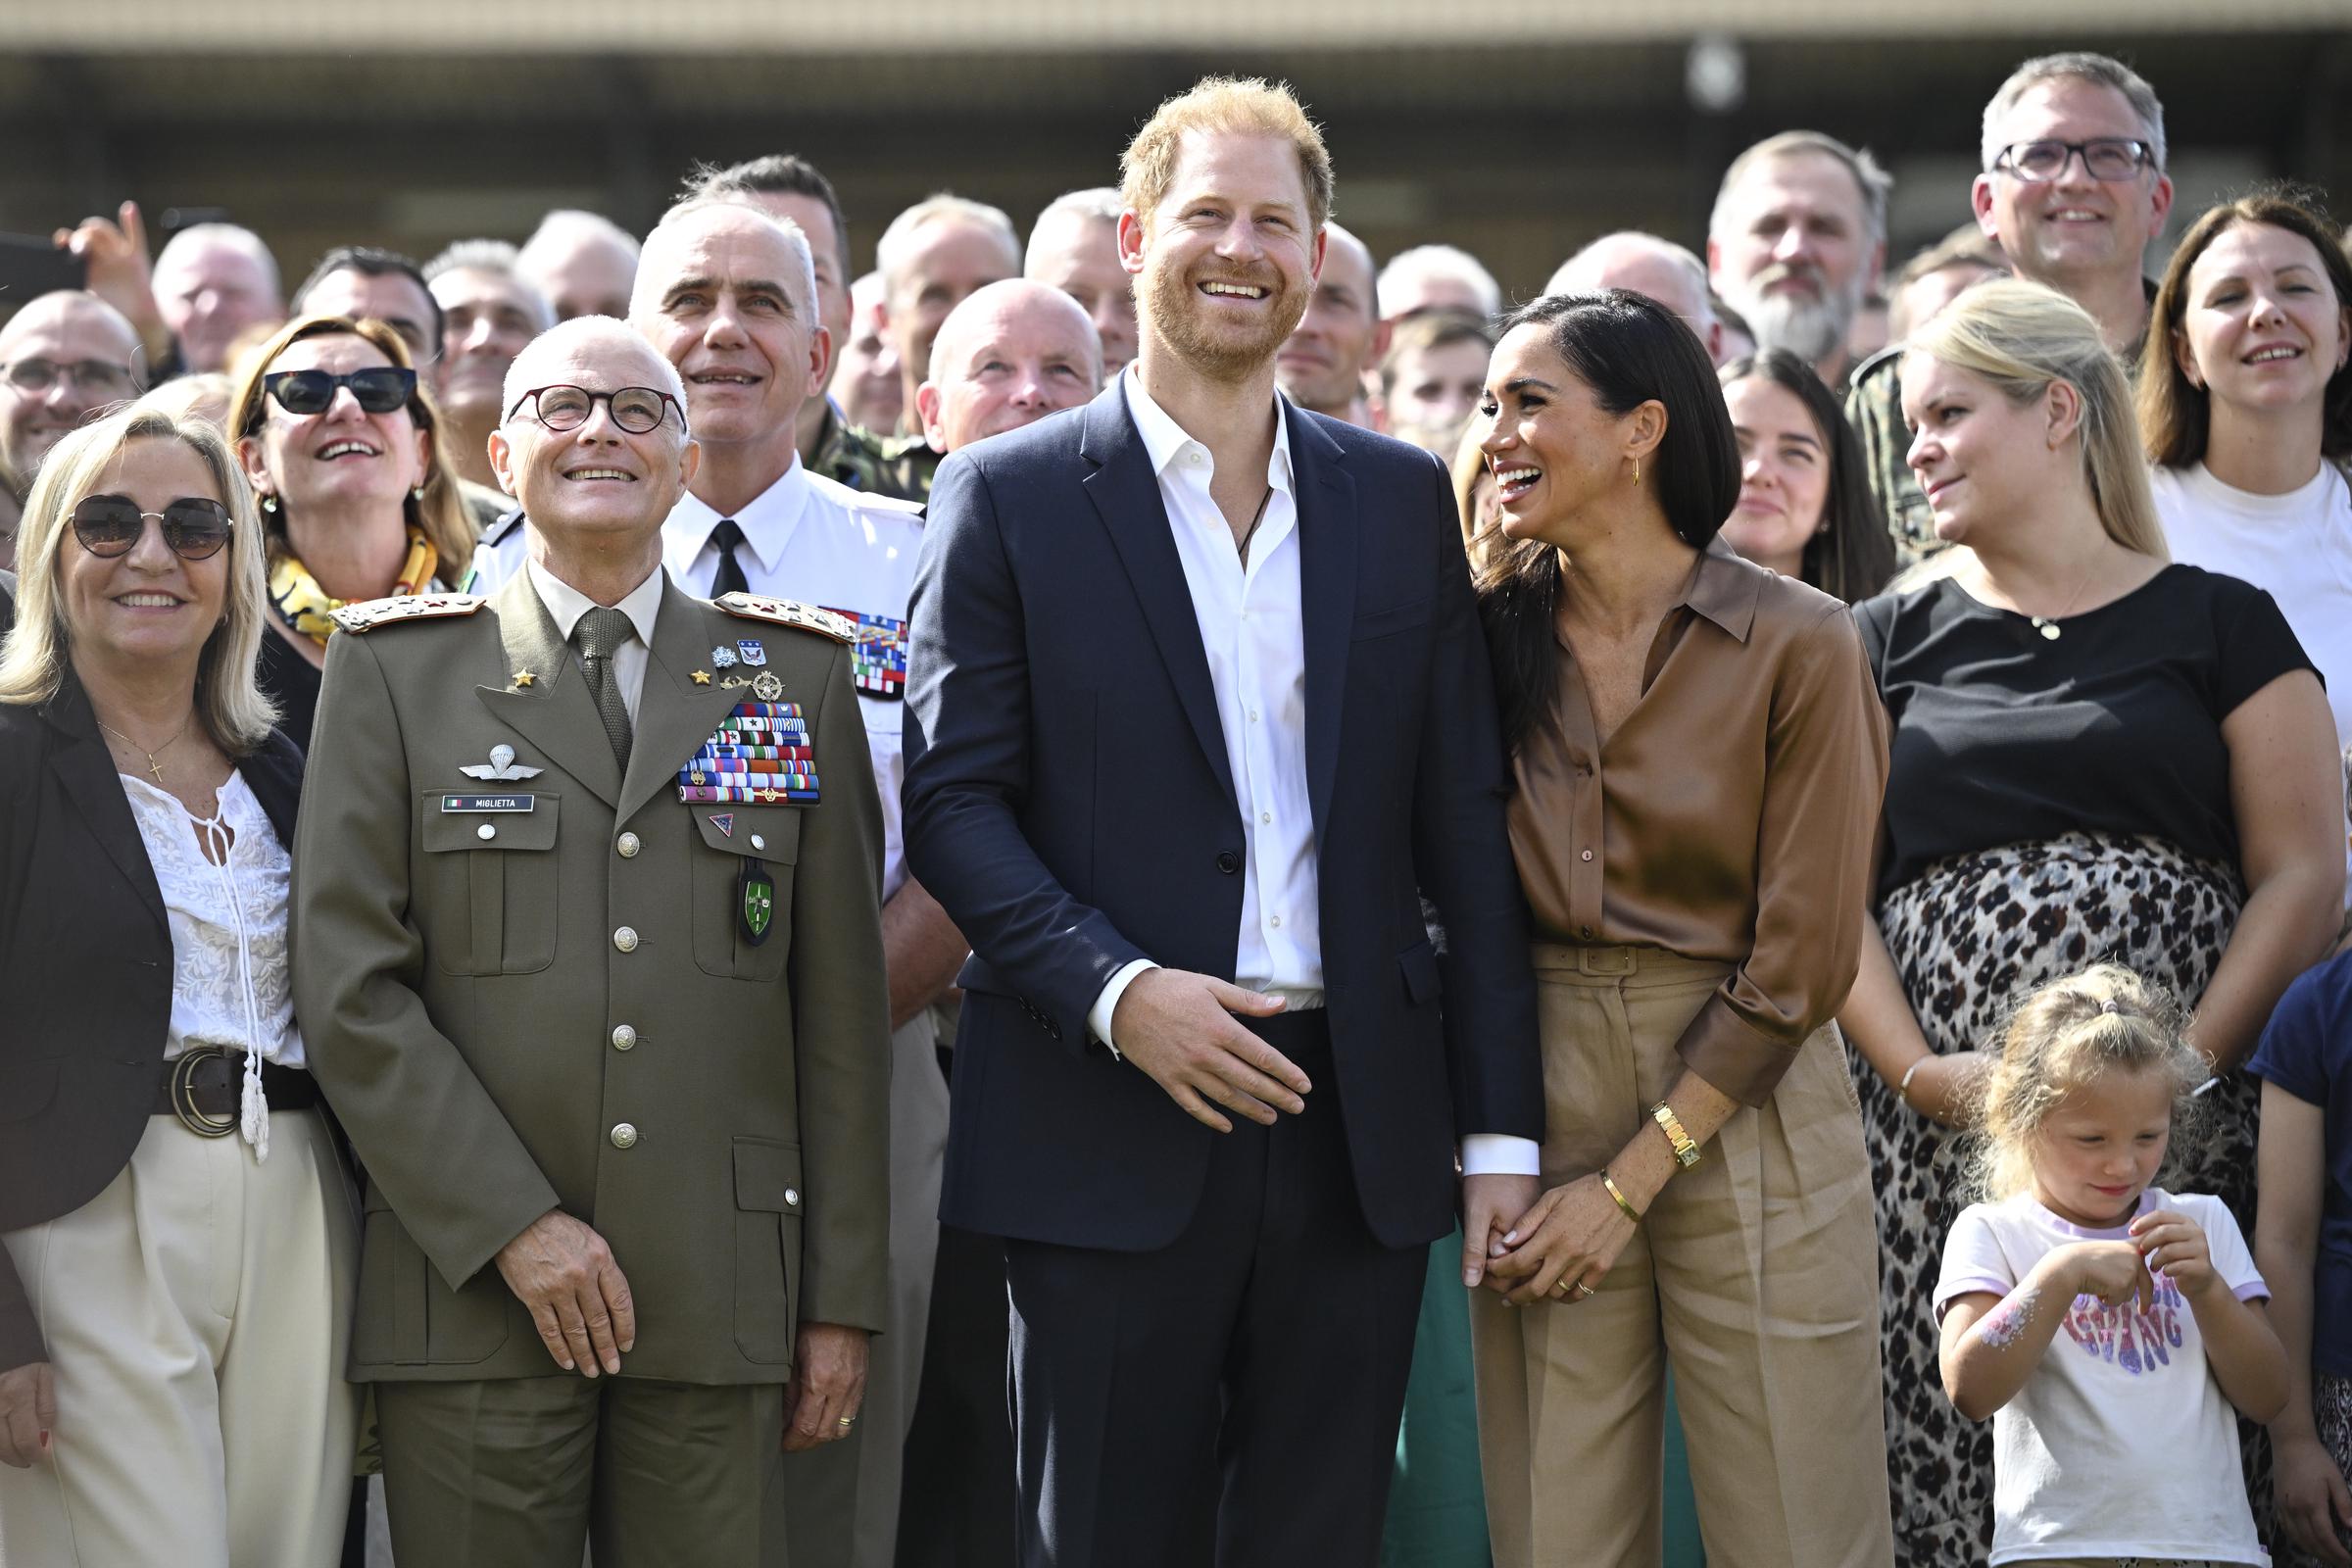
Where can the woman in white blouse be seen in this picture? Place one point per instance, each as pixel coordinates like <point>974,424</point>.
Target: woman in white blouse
<point>2245,404</point>
<point>176,1228</point>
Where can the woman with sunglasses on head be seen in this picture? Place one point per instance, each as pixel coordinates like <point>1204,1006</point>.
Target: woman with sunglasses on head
<point>177,1240</point>
<point>358,500</point>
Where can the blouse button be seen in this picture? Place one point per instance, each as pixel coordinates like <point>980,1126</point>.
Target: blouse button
<point>1586,854</point>
<point>1585,931</point>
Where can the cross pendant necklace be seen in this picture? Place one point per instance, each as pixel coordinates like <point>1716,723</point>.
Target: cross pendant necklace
<point>154,767</point>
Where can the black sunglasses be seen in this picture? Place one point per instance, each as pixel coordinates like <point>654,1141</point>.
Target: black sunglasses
<point>194,526</point>
<point>378,389</point>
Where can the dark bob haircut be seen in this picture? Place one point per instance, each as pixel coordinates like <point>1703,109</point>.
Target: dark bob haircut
<point>1628,350</point>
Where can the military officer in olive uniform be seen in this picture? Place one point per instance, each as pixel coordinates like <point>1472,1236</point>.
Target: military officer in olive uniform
<point>589,960</point>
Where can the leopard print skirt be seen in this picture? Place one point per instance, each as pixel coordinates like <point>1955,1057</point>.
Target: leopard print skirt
<point>1971,937</point>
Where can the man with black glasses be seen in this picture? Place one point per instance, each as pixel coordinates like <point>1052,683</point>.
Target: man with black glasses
<point>64,358</point>
<point>2073,192</point>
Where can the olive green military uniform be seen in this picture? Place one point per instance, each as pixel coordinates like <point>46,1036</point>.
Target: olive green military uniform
<point>542,989</point>
<point>900,466</point>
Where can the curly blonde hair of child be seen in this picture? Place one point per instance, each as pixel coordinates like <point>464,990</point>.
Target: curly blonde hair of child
<point>2065,1037</point>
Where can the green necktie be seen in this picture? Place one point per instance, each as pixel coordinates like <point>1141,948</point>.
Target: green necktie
<point>600,635</point>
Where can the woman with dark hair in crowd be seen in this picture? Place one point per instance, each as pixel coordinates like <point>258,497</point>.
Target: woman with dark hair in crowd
<point>2097,757</point>
<point>1697,757</point>
<point>180,1237</point>
<point>1805,508</point>
<point>2245,408</point>
<point>358,500</point>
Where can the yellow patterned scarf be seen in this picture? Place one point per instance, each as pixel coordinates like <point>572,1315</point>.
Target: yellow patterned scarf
<point>307,607</point>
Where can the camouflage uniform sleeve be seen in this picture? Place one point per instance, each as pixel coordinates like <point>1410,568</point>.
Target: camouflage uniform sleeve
<point>1874,409</point>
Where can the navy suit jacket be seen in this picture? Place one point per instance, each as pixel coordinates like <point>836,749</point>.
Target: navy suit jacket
<point>1067,802</point>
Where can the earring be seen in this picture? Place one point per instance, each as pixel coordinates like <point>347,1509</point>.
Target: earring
<point>1637,471</point>
<point>417,493</point>
<point>269,503</point>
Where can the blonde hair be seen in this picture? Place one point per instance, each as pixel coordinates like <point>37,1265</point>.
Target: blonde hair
<point>36,659</point>
<point>2064,1037</point>
<point>2022,337</point>
<point>441,511</point>
<point>1233,105</point>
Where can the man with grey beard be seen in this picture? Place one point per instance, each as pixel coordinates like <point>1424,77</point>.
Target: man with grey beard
<point>1797,238</point>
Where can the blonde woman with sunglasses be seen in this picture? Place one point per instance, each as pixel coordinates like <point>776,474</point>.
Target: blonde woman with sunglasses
<point>176,1228</point>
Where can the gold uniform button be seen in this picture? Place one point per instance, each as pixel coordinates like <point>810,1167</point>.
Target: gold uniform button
<point>624,1038</point>
<point>624,1136</point>
<point>628,846</point>
<point>625,939</point>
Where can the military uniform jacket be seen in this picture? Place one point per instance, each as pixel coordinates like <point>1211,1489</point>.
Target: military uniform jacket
<point>519,1010</point>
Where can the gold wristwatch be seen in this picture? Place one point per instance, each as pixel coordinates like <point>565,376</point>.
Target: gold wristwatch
<point>1686,1152</point>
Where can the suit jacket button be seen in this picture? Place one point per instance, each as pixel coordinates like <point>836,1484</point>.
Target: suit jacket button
<point>625,939</point>
<point>624,1038</point>
<point>1228,861</point>
<point>624,1136</point>
<point>627,845</point>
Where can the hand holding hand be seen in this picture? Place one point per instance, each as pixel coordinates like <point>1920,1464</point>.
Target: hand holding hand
<point>27,1413</point>
<point>2112,1271</point>
<point>1178,1027</point>
<point>827,1387</point>
<point>565,1273</point>
<point>2174,1245</point>
<point>2314,1506</point>
<point>1489,1205</point>
<point>1572,1235</point>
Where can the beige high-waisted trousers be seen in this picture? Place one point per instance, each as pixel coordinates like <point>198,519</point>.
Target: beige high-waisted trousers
<point>1755,1273</point>
<point>196,1312</point>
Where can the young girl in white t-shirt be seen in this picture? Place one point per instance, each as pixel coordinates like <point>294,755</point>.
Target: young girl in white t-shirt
<point>2105,1325</point>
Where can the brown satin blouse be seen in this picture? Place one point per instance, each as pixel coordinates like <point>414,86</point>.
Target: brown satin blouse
<point>1732,816</point>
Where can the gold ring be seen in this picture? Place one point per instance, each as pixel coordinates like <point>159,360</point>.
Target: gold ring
<point>1583,1290</point>
<point>847,1422</point>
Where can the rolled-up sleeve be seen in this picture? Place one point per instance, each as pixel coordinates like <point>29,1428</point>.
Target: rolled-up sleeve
<point>1825,780</point>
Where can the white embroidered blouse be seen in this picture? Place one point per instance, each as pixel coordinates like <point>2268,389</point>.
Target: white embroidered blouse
<point>230,982</point>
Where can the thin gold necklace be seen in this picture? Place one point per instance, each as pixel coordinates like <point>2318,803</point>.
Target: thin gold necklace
<point>153,766</point>
<point>2048,626</point>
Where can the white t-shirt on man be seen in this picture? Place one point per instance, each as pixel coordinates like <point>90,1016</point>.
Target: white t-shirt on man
<point>2121,1444</point>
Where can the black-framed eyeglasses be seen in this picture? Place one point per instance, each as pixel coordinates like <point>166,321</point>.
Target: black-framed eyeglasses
<point>563,407</point>
<point>194,526</point>
<point>377,389</point>
<point>2108,158</point>
<point>100,376</point>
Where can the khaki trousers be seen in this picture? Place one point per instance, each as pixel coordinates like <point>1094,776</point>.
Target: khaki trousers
<point>841,1502</point>
<point>1756,1273</point>
<point>196,1312</point>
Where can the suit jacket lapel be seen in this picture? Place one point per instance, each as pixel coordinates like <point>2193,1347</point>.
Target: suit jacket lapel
<point>84,767</point>
<point>1327,551</point>
<point>675,715</point>
<point>1126,493</point>
<point>555,712</point>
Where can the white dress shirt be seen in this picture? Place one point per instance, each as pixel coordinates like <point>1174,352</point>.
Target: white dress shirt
<point>1252,630</point>
<point>809,538</point>
<point>566,604</point>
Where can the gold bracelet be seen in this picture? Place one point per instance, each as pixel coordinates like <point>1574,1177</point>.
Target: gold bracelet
<point>1686,1152</point>
<point>1630,1212</point>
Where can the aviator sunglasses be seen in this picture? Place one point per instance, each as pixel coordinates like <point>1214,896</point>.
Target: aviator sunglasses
<point>194,526</point>
<point>378,389</point>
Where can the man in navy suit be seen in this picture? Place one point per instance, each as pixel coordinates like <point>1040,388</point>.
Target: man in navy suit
<point>1197,706</point>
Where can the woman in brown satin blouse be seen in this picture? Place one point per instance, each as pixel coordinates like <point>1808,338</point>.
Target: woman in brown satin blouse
<point>1699,754</point>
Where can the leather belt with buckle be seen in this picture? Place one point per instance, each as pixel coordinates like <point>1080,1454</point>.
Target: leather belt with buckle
<point>203,1087</point>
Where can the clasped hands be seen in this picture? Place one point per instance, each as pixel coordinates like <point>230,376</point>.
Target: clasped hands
<point>1527,1248</point>
<point>565,1273</point>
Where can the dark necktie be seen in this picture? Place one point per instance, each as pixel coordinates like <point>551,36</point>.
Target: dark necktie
<point>730,579</point>
<point>600,635</point>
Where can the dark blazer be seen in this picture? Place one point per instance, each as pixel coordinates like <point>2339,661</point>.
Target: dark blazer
<point>1068,804</point>
<point>85,968</point>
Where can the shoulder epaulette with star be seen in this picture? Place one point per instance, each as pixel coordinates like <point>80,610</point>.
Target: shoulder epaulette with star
<point>789,612</point>
<point>369,613</point>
